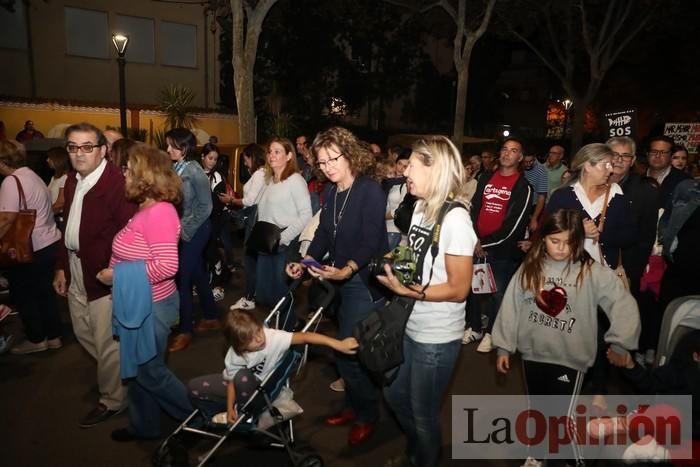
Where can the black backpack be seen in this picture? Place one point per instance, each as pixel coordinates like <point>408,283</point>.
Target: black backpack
<point>404,213</point>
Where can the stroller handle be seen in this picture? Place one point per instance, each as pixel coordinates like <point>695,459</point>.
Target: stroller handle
<point>330,293</point>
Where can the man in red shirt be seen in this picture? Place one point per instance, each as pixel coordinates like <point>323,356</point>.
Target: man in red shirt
<point>500,213</point>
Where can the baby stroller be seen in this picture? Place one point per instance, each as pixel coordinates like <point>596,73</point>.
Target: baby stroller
<point>281,433</point>
<point>681,316</point>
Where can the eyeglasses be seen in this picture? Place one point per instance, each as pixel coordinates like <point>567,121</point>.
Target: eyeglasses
<point>87,148</point>
<point>607,164</point>
<point>625,156</point>
<point>332,161</point>
<point>656,152</point>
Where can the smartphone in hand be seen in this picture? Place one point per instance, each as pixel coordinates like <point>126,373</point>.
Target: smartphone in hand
<point>310,262</point>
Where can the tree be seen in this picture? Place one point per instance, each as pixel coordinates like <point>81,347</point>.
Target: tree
<point>469,29</point>
<point>579,41</point>
<point>248,17</point>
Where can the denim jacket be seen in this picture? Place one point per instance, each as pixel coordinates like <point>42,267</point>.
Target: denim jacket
<point>684,200</point>
<point>196,198</point>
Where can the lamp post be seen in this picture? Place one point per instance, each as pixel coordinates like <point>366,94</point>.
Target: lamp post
<point>120,42</point>
<point>566,103</point>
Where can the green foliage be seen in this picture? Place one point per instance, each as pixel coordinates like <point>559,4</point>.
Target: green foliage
<point>176,102</point>
<point>281,125</point>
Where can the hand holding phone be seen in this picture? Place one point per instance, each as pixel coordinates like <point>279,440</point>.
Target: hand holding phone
<point>310,262</point>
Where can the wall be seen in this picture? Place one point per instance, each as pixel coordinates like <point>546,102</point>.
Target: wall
<point>94,80</point>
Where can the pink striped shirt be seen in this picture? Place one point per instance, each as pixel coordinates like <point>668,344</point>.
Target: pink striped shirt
<point>151,235</point>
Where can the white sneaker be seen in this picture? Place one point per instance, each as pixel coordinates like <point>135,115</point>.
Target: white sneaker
<point>243,304</point>
<point>471,336</point>
<point>649,357</point>
<point>485,346</point>
<point>639,358</point>
<point>531,462</point>
<point>217,293</point>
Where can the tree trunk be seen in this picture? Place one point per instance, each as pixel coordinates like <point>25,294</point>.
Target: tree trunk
<point>577,125</point>
<point>460,105</point>
<point>245,99</point>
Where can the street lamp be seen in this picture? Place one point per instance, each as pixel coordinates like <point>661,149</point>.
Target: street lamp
<point>566,103</point>
<point>120,42</point>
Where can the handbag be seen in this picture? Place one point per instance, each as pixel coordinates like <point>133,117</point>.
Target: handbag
<point>381,334</point>
<point>619,269</point>
<point>16,245</point>
<point>264,238</point>
<point>483,281</point>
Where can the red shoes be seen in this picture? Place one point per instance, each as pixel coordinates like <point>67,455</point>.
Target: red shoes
<point>344,417</point>
<point>360,432</point>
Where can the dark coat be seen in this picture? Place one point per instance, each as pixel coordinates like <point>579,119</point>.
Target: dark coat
<point>669,184</point>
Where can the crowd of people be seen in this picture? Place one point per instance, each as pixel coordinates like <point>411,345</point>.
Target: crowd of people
<point>129,234</point>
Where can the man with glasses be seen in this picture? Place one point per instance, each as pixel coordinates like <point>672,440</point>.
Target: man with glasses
<point>500,214</point>
<point>95,209</point>
<point>660,168</point>
<point>555,166</point>
<point>642,196</point>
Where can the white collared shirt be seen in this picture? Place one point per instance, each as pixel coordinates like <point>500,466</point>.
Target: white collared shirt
<point>660,179</point>
<point>72,234</point>
<point>593,210</point>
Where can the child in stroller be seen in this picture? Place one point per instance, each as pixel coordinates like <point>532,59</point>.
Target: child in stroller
<point>253,354</point>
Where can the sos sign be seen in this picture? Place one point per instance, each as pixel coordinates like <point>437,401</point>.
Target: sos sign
<point>620,123</point>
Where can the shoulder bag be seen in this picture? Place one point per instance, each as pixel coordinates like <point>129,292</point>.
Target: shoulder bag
<point>264,237</point>
<point>16,245</point>
<point>619,269</point>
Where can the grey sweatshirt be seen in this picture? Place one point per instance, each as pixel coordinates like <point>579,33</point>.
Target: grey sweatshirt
<point>564,333</point>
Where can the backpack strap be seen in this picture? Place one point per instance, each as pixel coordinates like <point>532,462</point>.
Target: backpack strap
<point>449,205</point>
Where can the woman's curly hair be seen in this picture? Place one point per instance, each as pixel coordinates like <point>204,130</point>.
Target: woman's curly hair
<point>360,158</point>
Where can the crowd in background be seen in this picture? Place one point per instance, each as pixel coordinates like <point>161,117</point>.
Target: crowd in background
<point>123,226</point>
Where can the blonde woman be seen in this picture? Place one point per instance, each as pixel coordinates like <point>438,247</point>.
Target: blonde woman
<point>434,330</point>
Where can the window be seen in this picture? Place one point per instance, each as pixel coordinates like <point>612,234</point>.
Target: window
<point>178,44</point>
<point>87,33</point>
<point>13,31</point>
<point>141,48</point>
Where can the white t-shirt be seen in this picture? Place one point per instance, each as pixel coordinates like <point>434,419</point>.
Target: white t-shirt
<point>55,186</point>
<point>253,188</point>
<point>261,362</point>
<point>440,322</point>
<point>393,199</point>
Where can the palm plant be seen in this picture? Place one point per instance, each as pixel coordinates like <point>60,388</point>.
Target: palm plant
<point>175,102</point>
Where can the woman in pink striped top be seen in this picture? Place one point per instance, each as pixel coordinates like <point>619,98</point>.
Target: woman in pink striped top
<point>152,236</point>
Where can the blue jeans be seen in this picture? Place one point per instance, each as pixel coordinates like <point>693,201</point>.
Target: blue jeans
<point>488,304</point>
<point>416,394</point>
<point>193,272</point>
<point>361,394</point>
<point>155,386</point>
<point>394,239</point>
<point>271,284</point>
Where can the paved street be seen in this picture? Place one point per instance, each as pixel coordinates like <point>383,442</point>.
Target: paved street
<point>43,396</point>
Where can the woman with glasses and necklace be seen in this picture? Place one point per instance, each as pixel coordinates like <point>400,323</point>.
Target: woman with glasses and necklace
<point>351,232</point>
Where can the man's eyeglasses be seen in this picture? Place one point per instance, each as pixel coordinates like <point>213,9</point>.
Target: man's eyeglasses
<point>656,152</point>
<point>625,156</point>
<point>332,161</point>
<point>86,148</point>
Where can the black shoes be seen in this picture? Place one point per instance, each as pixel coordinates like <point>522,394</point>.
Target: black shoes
<point>98,415</point>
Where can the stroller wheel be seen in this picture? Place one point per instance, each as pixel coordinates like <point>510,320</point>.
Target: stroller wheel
<point>309,460</point>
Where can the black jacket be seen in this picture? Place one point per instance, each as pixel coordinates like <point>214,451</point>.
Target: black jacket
<point>503,242</point>
<point>669,184</point>
<point>642,196</point>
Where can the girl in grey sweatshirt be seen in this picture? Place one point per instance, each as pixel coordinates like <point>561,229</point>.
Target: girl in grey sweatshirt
<point>549,311</point>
